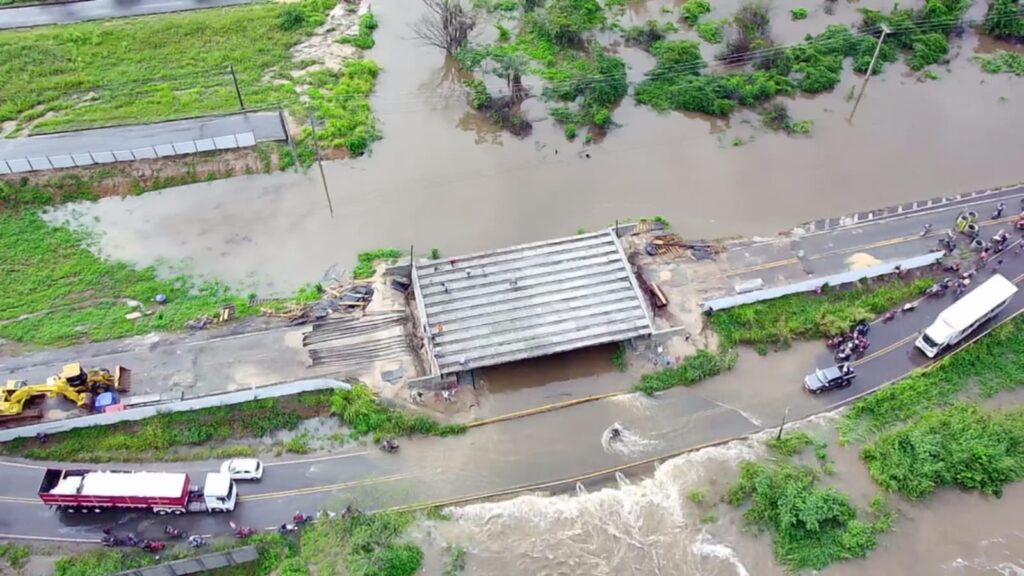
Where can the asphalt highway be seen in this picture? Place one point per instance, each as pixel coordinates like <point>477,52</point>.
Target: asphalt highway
<point>557,445</point>
<point>67,12</point>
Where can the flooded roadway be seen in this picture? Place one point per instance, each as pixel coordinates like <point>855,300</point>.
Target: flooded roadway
<point>443,177</point>
<point>651,526</point>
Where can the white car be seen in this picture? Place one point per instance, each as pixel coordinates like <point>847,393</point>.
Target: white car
<point>243,469</point>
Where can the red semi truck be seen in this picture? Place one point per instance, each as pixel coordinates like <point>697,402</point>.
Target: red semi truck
<point>161,492</point>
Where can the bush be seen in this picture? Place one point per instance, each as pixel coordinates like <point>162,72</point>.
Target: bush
<point>365,415</point>
<point>811,526</point>
<point>293,17</point>
<point>569,19</point>
<point>1005,20</point>
<point>648,34</point>
<point>928,49</point>
<point>962,446</point>
<point>479,96</point>
<point>570,131</point>
<point>793,443</point>
<point>693,369</point>
<point>711,32</point>
<point>1003,62</point>
<point>751,31</point>
<point>363,545</point>
<point>692,10</point>
<point>799,13</point>
<point>367,261</point>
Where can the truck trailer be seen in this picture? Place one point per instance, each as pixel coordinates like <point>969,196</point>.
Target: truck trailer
<point>161,492</point>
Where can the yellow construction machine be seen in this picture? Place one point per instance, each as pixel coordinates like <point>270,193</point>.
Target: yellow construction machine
<point>73,382</point>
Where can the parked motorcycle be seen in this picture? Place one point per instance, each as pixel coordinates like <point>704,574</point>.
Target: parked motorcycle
<point>152,545</point>
<point>389,445</point>
<point>173,532</point>
<point>196,541</point>
<point>242,531</point>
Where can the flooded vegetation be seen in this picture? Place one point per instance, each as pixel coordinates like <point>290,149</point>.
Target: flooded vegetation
<point>464,184</point>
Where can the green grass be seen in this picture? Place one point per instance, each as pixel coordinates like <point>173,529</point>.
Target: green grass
<point>363,545</point>
<point>793,443</point>
<point>341,104</point>
<point>709,518</point>
<point>103,562</point>
<point>692,10</point>
<point>16,555</point>
<point>619,359</point>
<point>149,68</point>
<point>367,261</point>
<point>361,411</point>
<point>961,446</point>
<point>693,369</point>
<point>808,316</point>
<point>697,496</point>
<point>1003,62</point>
<point>55,292</point>
<point>811,526</point>
<point>988,366</point>
<point>298,444</point>
<point>364,38</point>
<point>799,13</point>
<point>159,438</point>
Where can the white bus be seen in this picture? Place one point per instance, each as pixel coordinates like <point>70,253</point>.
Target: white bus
<point>960,319</point>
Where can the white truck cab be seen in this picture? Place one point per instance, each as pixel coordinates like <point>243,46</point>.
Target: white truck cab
<point>218,494</point>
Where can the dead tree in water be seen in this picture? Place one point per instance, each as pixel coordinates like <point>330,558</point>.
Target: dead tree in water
<point>446,26</point>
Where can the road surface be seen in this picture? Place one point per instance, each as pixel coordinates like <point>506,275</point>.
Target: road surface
<point>550,446</point>
<point>265,126</point>
<point>65,13</point>
<point>504,455</point>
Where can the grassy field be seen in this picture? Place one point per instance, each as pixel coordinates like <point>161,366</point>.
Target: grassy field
<point>55,292</point>
<point>693,369</point>
<point>808,316</point>
<point>146,69</point>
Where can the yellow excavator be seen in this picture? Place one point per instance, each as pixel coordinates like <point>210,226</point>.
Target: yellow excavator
<point>73,382</point>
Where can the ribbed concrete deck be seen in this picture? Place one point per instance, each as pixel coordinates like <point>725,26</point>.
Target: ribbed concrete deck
<point>526,301</point>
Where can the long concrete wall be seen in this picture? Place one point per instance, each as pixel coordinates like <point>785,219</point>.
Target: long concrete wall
<point>227,399</point>
<point>814,283</point>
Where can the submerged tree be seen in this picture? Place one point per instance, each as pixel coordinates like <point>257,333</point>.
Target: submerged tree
<point>447,25</point>
<point>511,68</point>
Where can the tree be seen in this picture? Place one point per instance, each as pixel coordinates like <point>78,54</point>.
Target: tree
<point>446,25</point>
<point>569,19</point>
<point>511,67</point>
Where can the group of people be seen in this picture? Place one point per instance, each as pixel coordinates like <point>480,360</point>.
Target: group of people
<point>854,343</point>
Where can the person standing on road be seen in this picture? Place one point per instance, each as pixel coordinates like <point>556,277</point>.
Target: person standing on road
<point>999,211</point>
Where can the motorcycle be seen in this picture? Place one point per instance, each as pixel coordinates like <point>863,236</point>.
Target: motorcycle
<point>174,532</point>
<point>926,230</point>
<point>242,531</point>
<point>196,541</point>
<point>861,329</point>
<point>836,341</point>
<point>152,545</point>
<point>287,528</point>
<point>299,518</point>
<point>390,446</point>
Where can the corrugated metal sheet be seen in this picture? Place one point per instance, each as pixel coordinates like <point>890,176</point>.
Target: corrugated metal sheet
<point>813,284</point>
<point>530,300</point>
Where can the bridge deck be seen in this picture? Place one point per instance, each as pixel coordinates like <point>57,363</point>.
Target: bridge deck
<point>530,300</point>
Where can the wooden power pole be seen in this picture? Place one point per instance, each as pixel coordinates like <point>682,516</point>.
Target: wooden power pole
<point>871,69</point>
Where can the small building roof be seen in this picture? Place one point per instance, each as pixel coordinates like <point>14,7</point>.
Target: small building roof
<point>527,301</point>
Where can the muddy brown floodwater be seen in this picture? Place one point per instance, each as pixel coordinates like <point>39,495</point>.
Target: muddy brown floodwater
<point>650,526</point>
<point>443,177</point>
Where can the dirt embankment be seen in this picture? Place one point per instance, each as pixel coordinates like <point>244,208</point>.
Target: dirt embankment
<point>129,178</point>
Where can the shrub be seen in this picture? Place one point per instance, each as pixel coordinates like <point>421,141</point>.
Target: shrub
<point>570,131</point>
<point>569,19</point>
<point>928,49</point>
<point>811,526</point>
<point>711,32</point>
<point>692,10</point>
<point>362,545</point>
<point>1003,62</point>
<point>648,34</point>
<point>963,447</point>
<point>365,415</point>
<point>1005,20</point>
<point>479,96</point>
<point>293,17</point>
<point>367,261</point>
<point>689,371</point>
<point>799,13</point>
<point>751,31</point>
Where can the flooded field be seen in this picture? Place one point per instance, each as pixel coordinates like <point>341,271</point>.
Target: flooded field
<point>649,525</point>
<point>445,177</point>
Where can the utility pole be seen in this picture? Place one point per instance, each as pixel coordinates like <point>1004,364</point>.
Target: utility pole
<point>871,69</point>
<point>319,163</point>
<point>238,92</point>
<point>784,418</point>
